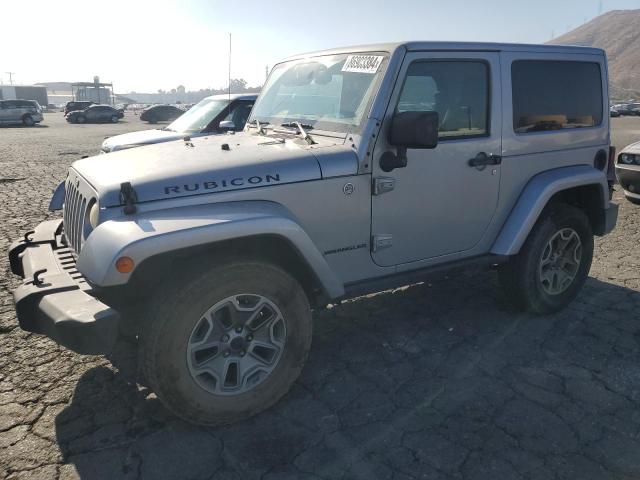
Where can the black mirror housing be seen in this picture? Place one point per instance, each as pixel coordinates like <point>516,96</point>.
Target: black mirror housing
<point>414,130</point>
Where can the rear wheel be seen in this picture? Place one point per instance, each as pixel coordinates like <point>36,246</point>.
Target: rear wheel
<point>227,343</point>
<point>554,262</point>
<point>28,121</point>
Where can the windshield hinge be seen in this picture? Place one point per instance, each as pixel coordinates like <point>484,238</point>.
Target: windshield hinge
<point>383,185</point>
<point>380,242</point>
<point>128,198</point>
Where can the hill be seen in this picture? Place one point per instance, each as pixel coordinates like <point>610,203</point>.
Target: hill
<point>618,33</point>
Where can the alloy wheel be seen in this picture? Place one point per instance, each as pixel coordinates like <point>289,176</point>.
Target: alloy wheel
<point>236,344</point>
<point>560,261</point>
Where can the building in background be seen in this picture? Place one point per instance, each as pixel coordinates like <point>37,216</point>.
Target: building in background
<point>93,91</point>
<point>24,92</point>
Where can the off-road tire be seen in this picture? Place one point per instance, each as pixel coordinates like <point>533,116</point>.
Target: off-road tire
<point>27,121</point>
<point>177,308</point>
<point>520,278</point>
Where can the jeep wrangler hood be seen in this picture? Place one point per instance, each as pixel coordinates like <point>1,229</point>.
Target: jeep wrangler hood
<point>210,164</point>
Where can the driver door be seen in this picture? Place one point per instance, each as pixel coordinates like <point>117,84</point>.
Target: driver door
<point>439,205</point>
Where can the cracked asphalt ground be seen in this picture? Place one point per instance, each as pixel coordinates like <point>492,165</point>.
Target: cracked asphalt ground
<point>432,381</point>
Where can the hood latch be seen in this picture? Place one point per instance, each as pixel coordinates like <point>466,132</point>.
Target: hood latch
<point>128,198</point>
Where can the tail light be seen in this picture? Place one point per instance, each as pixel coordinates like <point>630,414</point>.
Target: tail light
<point>611,168</point>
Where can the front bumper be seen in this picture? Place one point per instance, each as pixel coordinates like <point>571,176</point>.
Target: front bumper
<point>629,179</point>
<point>54,299</point>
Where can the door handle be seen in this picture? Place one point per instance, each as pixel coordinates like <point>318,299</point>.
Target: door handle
<point>482,160</point>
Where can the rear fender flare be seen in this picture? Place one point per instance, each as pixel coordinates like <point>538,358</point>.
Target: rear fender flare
<point>536,195</point>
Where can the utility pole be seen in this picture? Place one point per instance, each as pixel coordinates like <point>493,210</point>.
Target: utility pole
<point>229,72</point>
<point>11,74</point>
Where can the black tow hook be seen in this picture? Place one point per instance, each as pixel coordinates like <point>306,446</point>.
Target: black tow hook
<point>36,276</point>
<point>28,239</point>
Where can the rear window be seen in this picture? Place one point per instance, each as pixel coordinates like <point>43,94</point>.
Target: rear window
<point>555,95</point>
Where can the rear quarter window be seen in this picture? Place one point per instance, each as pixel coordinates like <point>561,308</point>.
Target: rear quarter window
<point>555,95</point>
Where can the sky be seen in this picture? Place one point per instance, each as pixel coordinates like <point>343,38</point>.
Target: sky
<point>147,45</point>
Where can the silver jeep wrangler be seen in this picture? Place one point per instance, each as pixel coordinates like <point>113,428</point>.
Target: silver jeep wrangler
<point>360,169</point>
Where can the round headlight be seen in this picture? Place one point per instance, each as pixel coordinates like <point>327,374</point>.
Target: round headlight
<point>627,158</point>
<point>93,215</point>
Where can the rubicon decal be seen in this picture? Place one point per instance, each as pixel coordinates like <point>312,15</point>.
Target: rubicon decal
<point>223,184</point>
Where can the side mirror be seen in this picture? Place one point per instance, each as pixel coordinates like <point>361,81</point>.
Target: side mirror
<point>414,130</point>
<point>227,125</point>
<point>410,130</point>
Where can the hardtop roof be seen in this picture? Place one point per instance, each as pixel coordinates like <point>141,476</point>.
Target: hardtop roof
<point>414,46</point>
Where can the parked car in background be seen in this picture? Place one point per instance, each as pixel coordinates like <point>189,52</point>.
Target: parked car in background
<point>628,172</point>
<point>628,109</point>
<point>211,116</point>
<point>613,111</point>
<point>77,105</point>
<point>25,112</point>
<point>95,114</point>
<point>160,113</point>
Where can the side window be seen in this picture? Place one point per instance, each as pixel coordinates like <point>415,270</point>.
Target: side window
<point>241,113</point>
<point>555,95</point>
<point>457,90</point>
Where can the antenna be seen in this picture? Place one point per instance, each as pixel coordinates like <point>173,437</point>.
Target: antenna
<point>229,87</point>
<point>11,74</point>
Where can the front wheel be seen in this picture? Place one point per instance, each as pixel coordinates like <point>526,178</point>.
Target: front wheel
<point>28,121</point>
<point>553,263</point>
<point>227,343</point>
<point>114,119</point>
<point>80,119</point>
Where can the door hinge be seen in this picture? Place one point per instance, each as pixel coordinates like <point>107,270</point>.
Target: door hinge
<point>380,242</point>
<point>383,185</point>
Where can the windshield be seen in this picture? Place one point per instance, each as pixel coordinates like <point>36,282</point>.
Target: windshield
<point>330,92</point>
<point>199,116</point>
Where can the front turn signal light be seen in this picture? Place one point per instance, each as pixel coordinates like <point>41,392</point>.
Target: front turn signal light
<point>125,264</point>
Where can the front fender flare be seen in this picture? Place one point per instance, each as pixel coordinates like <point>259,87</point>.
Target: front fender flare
<point>535,197</point>
<point>147,234</point>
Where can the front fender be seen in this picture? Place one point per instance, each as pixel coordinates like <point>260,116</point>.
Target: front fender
<point>148,234</point>
<point>535,197</point>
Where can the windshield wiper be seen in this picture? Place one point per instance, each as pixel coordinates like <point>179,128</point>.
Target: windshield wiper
<point>301,128</point>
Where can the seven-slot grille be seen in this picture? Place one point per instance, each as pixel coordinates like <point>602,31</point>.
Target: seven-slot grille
<point>75,207</point>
